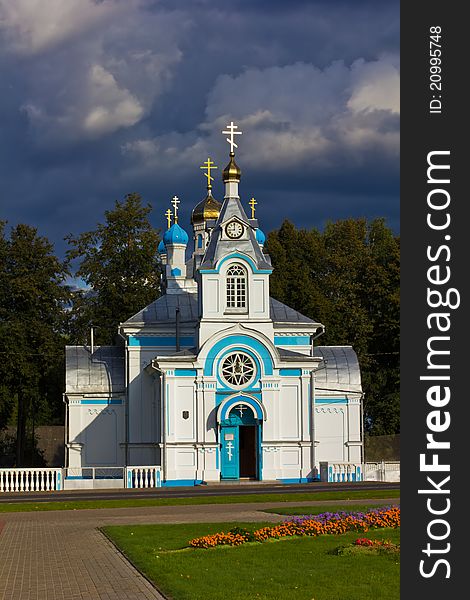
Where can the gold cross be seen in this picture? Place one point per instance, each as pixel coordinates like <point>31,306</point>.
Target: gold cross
<point>175,201</point>
<point>209,165</point>
<point>168,216</point>
<point>252,203</point>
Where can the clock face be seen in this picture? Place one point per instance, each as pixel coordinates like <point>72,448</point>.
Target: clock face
<point>234,230</point>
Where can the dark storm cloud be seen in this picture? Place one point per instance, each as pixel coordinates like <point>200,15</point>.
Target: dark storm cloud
<point>104,98</point>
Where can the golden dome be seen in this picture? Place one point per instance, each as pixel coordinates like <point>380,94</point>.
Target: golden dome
<point>209,208</point>
<point>232,170</point>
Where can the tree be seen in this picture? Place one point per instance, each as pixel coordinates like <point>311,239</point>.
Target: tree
<point>347,277</point>
<point>119,263</point>
<point>32,323</point>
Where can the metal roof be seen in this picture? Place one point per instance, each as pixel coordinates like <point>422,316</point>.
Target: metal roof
<point>340,370</point>
<point>163,310</point>
<point>101,372</point>
<point>281,313</point>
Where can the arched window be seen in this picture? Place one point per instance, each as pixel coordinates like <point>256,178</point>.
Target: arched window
<point>236,287</point>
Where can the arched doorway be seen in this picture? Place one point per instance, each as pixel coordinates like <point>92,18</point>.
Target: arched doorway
<point>240,434</point>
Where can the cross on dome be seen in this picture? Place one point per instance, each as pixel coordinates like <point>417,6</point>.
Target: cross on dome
<point>231,132</point>
<point>208,165</point>
<point>252,203</point>
<point>168,216</point>
<point>175,201</point>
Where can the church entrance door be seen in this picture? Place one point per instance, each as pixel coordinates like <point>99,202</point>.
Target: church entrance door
<point>248,453</point>
<point>240,440</point>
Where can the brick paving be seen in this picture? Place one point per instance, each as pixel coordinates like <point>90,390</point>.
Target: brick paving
<point>61,555</point>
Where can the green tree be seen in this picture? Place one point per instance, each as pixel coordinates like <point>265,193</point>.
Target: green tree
<point>32,323</point>
<point>118,261</point>
<point>347,277</point>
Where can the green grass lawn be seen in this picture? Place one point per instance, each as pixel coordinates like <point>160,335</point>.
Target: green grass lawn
<point>287,569</point>
<point>136,502</point>
<point>316,509</point>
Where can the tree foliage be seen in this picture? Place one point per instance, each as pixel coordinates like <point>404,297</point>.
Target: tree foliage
<point>119,263</point>
<point>347,277</point>
<point>32,324</point>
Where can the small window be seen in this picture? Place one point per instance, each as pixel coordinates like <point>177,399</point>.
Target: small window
<point>236,287</point>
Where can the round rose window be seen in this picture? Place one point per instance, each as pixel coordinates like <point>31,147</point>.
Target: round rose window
<point>238,369</point>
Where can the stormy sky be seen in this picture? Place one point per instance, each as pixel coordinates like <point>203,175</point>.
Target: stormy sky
<point>105,97</point>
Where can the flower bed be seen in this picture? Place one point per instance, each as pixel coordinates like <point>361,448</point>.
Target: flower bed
<point>324,523</point>
<point>368,546</point>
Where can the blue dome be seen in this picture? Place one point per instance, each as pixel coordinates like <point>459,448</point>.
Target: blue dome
<point>260,237</point>
<point>161,247</point>
<point>175,235</point>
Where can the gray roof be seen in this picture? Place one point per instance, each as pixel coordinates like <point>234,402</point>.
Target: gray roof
<point>163,310</point>
<point>281,313</point>
<point>339,371</point>
<point>99,373</point>
<point>291,355</point>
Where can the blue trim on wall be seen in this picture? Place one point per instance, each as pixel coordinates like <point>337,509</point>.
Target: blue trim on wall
<point>242,340</point>
<point>102,401</point>
<point>331,401</point>
<point>185,372</point>
<point>240,256</point>
<point>221,385</point>
<point>140,340</point>
<point>175,272</point>
<point>181,482</point>
<point>237,400</point>
<point>294,340</point>
<point>290,372</point>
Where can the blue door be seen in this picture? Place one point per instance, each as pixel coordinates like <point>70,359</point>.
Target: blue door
<point>230,460</point>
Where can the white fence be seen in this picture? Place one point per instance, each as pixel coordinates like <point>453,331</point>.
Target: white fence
<point>337,472</point>
<point>92,478</point>
<point>382,471</point>
<point>30,480</point>
<point>143,477</point>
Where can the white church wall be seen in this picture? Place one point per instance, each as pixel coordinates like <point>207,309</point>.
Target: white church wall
<point>96,432</point>
<point>211,297</point>
<point>260,297</point>
<point>330,433</point>
<point>271,399</point>
<point>289,412</point>
<point>144,412</point>
<point>184,412</point>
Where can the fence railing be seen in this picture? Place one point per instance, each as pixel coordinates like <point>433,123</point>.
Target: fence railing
<point>382,471</point>
<point>95,473</point>
<point>143,477</point>
<point>337,472</point>
<point>30,480</point>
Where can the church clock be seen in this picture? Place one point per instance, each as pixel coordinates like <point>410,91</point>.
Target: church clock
<point>234,230</point>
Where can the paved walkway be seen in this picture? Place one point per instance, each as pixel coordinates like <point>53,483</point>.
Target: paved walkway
<point>61,555</point>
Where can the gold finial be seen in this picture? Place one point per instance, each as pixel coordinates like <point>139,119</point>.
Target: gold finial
<point>209,164</point>
<point>231,132</point>
<point>175,201</point>
<point>168,216</point>
<point>252,203</point>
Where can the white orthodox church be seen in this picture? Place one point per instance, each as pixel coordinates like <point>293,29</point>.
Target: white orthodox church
<point>215,379</point>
